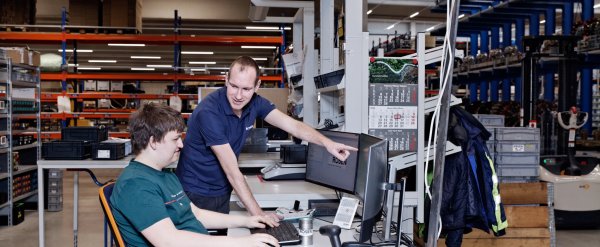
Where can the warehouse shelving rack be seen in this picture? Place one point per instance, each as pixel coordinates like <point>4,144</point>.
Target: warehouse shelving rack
<point>17,180</point>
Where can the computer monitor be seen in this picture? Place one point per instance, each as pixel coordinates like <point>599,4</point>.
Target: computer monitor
<point>362,174</point>
<point>371,176</point>
<point>325,169</point>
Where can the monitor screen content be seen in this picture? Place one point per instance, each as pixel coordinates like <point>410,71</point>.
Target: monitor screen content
<point>323,168</point>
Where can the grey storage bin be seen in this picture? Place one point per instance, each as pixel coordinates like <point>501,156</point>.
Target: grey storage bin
<point>517,134</point>
<point>55,191</point>
<point>518,170</point>
<point>531,159</point>
<point>517,146</point>
<point>55,199</point>
<point>517,179</point>
<point>490,120</point>
<point>55,207</point>
<point>55,173</point>
<point>55,182</point>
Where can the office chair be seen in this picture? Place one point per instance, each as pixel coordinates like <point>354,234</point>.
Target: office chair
<point>104,195</point>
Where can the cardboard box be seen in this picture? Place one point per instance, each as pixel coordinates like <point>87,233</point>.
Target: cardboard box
<point>123,13</point>
<point>34,58</point>
<point>84,13</point>
<point>429,41</point>
<point>17,54</point>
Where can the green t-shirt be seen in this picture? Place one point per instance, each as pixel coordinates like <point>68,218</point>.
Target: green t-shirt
<point>143,196</point>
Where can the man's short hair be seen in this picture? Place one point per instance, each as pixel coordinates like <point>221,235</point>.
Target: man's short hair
<point>244,63</point>
<point>153,120</point>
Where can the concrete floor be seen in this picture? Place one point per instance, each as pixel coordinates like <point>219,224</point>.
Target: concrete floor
<point>59,225</point>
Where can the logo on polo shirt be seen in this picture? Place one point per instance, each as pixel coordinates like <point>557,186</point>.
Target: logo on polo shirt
<point>249,127</point>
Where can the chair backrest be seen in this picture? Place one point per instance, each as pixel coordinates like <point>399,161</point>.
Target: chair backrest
<point>104,195</point>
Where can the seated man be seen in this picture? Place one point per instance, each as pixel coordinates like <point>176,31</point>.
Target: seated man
<point>148,201</point>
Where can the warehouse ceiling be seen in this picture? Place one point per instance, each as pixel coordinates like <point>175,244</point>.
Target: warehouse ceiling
<point>202,17</point>
<point>213,18</point>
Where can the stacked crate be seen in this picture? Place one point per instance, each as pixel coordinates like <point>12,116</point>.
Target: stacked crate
<point>55,190</point>
<point>491,122</point>
<point>517,151</point>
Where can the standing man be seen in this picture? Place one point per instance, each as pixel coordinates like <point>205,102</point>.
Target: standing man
<point>217,129</point>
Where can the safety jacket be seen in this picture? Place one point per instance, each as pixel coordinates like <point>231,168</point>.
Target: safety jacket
<point>471,196</point>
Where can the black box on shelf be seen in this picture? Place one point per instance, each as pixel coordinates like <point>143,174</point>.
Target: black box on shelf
<point>92,134</point>
<point>66,150</point>
<point>293,153</point>
<point>108,150</point>
<point>329,79</point>
<point>18,215</point>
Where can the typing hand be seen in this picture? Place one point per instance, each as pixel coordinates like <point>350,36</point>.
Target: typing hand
<point>261,221</point>
<point>259,240</point>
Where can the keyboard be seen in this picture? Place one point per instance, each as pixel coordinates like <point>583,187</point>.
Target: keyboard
<point>285,233</point>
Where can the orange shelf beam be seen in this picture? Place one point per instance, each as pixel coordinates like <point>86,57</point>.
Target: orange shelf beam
<point>55,135</point>
<point>90,115</point>
<point>132,38</point>
<point>107,95</point>
<point>142,77</point>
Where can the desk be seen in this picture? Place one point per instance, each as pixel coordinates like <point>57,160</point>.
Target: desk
<point>268,194</point>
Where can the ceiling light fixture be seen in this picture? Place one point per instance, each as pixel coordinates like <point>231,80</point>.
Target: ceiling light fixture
<point>193,62</point>
<point>89,68</point>
<point>146,69</point>
<point>78,50</point>
<point>122,44</point>
<point>258,47</point>
<point>260,58</point>
<point>159,66</point>
<point>390,26</point>
<point>461,16</point>
<point>369,12</point>
<point>198,69</point>
<point>145,57</point>
<point>197,52</point>
<point>73,65</point>
<point>542,21</point>
<point>102,61</point>
<point>597,6</point>
<point>429,29</point>
<point>413,15</point>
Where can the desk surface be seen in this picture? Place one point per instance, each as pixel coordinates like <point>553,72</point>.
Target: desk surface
<point>246,160</point>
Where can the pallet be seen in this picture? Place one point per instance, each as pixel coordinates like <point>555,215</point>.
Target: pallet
<point>99,30</point>
<point>14,29</point>
<point>530,216</point>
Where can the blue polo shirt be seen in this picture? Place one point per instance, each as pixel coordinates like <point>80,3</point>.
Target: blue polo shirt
<point>214,123</point>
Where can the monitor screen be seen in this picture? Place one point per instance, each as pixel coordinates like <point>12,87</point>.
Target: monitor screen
<point>323,168</point>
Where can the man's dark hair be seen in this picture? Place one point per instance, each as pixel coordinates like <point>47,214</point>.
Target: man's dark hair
<point>153,120</point>
<point>244,63</point>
